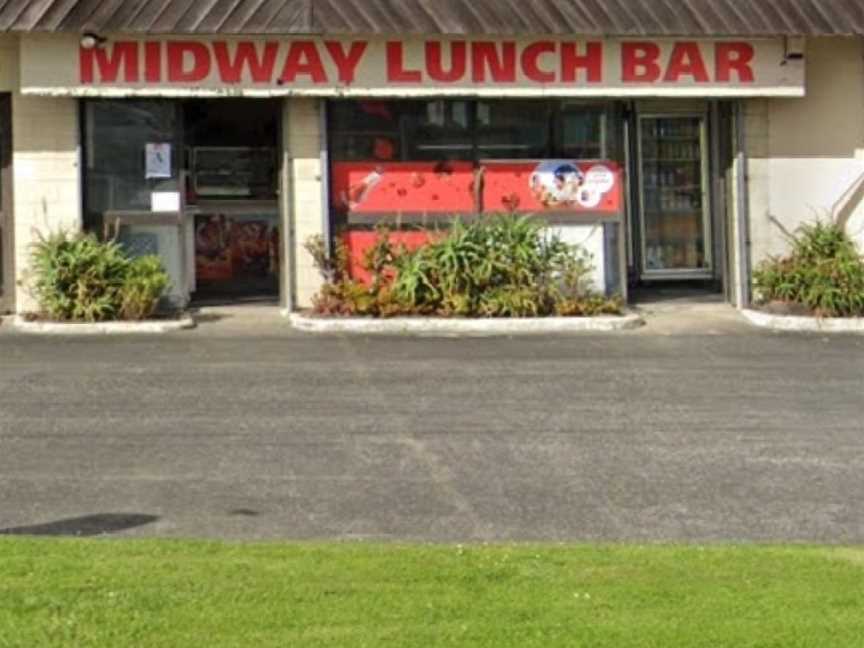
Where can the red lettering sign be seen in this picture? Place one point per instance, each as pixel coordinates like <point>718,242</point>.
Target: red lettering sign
<point>639,62</point>
<point>122,56</point>
<point>501,64</point>
<point>396,72</point>
<point>531,62</point>
<point>153,62</point>
<point>246,59</point>
<point>591,62</point>
<point>435,64</point>
<point>686,60</point>
<point>303,59</point>
<point>455,62</point>
<point>734,57</point>
<point>181,54</point>
<point>346,62</point>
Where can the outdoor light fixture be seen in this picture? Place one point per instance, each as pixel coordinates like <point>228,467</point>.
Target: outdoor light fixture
<point>91,41</point>
<point>793,49</point>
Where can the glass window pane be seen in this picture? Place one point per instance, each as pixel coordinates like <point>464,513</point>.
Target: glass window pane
<point>117,135</point>
<point>513,129</point>
<point>440,130</point>
<point>582,132</point>
<point>366,130</point>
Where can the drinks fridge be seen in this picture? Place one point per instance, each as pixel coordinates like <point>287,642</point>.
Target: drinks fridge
<point>674,210</point>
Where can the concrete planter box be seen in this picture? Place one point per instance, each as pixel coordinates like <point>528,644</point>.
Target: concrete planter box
<point>462,326</point>
<point>804,323</point>
<point>149,327</point>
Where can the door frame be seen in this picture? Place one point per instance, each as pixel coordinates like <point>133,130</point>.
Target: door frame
<point>707,273</point>
<point>7,232</point>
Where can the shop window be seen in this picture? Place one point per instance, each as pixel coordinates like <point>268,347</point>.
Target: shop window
<point>217,160</point>
<point>582,132</point>
<point>440,130</point>
<point>470,130</point>
<point>513,129</point>
<point>367,130</point>
<point>122,168</point>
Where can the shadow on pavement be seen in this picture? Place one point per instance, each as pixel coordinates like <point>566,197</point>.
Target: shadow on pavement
<point>88,525</point>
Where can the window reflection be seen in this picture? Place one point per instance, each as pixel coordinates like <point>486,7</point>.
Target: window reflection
<point>513,129</point>
<point>440,130</point>
<point>117,134</point>
<point>469,130</point>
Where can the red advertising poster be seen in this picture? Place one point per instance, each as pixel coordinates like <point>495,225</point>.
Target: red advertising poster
<point>403,187</point>
<point>358,242</point>
<point>212,248</point>
<point>252,248</point>
<point>231,247</point>
<point>553,186</point>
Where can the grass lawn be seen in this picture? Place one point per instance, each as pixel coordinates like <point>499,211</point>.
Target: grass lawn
<point>170,593</point>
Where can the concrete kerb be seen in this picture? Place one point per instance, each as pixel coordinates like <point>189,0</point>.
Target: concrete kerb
<point>431,326</point>
<point>803,323</point>
<point>148,327</point>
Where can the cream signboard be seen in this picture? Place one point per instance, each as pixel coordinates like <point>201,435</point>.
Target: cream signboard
<point>182,66</point>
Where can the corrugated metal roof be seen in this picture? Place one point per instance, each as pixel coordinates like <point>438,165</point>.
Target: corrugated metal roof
<point>577,17</point>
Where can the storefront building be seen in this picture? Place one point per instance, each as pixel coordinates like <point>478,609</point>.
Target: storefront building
<point>676,145</point>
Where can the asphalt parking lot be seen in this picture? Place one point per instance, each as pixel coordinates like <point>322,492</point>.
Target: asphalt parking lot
<point>715,434</point>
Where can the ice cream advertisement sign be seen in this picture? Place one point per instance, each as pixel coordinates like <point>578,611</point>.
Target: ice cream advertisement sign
<point>411,67</point>
<point>569,186</point>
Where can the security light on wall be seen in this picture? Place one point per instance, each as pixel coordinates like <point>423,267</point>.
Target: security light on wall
<point>91,41</point>
<point>793,49</point>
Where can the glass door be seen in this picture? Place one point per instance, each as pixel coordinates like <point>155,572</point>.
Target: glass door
<point>674,205</point>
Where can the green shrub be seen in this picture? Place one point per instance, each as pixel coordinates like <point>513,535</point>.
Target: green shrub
<point>77,277</point>
<point>143,286</point>
<point>501,266</point>
<point>823,273</point>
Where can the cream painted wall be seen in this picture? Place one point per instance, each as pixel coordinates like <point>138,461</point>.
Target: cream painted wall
<point>304,200</point>
<point>591,239</point>
<point>805,155</point>
<point>8,63</point>
<point>47,177</point>
<point>46,172</point>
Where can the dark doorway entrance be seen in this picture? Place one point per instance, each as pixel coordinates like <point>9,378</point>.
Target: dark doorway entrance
<point>6,246</point>
<point>680,160</point>
<point>232,149</point>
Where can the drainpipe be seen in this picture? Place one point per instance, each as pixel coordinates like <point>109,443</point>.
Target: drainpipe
<point>326,225</point>
<point>288,266</point>
<point>742,209</point>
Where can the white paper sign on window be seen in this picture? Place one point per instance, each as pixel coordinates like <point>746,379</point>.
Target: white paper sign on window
<point>165,201</point>
<point>158,160</point>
